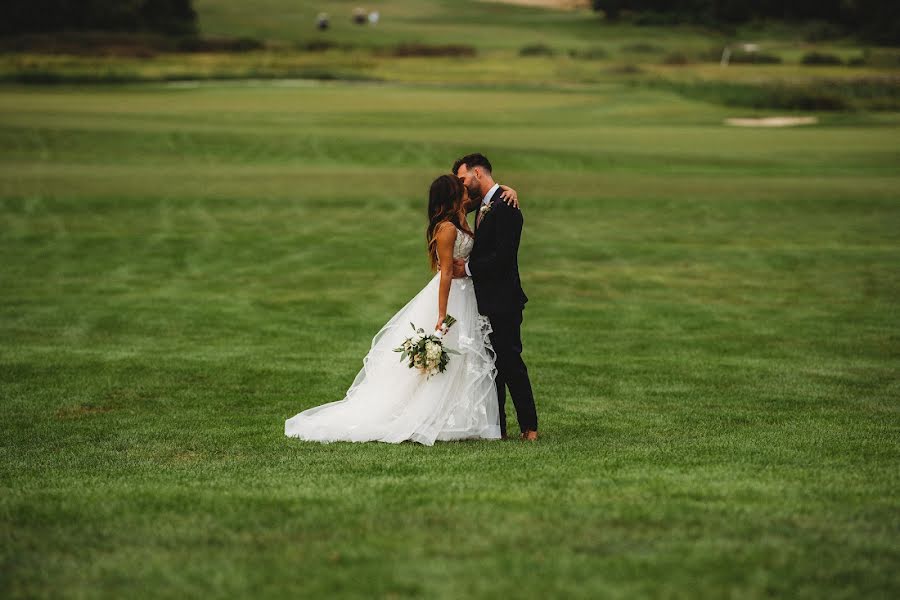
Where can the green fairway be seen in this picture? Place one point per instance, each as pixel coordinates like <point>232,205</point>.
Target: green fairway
<point>713,336</point>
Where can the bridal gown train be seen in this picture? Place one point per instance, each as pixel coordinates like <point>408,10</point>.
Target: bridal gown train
<point>389,402</point>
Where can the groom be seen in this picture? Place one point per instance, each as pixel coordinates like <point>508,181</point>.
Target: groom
<point>494,268</point>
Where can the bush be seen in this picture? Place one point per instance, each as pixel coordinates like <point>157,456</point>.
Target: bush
<point>643,48</point>
<point>416,49</point>
<point>536,50</point>
<point>318,46</point>
<point>872,93</point>
<point>136,45</point>
<point>50,77</point>
<point>197,44</point>
<point>589,54</point>
<point>676,58</point>
<point>627,69</point>
<point>755,58</point>
<point>90,44</point>
<point>740,56</point>
<point>821,58</point>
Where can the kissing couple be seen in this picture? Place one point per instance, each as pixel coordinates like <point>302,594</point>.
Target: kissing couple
<point>477,284</point>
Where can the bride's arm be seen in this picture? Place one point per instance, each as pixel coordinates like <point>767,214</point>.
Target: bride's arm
<point>509,196</point>
<point>446,238</point>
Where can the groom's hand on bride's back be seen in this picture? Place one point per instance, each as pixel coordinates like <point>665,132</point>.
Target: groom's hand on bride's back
<point>459,268</point>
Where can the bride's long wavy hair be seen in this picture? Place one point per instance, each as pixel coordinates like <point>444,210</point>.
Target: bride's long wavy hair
<point>446,202</point>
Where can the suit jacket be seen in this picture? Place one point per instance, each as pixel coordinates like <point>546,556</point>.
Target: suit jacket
<point>494,261</point>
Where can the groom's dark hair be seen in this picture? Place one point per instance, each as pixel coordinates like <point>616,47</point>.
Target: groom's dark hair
<point>471,161</point>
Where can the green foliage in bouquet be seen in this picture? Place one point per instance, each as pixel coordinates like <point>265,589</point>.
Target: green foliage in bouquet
<point>427,353</point>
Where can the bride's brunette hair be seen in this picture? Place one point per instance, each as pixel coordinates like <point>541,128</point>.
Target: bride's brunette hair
<point>446,202</point>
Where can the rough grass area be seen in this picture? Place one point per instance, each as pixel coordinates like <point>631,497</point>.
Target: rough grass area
<point>713,335</point>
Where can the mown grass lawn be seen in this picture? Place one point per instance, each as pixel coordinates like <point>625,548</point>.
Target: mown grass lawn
<point>713,337</point>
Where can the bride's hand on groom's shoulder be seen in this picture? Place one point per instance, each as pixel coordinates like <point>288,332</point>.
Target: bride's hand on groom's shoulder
<point>509,196</point>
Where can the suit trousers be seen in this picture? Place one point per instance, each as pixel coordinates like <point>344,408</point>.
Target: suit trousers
<point>511,371</point>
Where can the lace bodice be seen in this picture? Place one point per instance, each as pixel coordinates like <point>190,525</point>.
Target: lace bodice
<point>462,247</point>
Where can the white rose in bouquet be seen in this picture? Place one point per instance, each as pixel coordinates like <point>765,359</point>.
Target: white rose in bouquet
<point>427,353</point>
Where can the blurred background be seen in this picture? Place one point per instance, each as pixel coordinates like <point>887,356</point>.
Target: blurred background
<point>209,207</point>
<point>529,41</point>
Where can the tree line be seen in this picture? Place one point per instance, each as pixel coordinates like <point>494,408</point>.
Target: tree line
<point>175,17</point>
<point>875,20</point>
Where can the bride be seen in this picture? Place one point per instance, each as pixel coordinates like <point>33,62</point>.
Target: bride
<point>390,402</point>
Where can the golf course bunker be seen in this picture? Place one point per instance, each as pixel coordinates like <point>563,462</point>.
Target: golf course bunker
<point>773,122</point>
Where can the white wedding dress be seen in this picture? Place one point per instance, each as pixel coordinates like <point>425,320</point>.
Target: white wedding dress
<point>389,402</point>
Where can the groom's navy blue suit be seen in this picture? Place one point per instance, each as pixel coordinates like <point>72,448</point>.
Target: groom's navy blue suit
<point>494,266</point>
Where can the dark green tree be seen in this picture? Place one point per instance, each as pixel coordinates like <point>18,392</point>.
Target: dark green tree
<point>50,16</point>
<point>876,20</point>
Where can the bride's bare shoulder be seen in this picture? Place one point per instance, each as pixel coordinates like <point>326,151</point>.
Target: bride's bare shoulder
<point>445,230</point>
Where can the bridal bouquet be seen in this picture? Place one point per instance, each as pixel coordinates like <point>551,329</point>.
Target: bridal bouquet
<point>427,352</point>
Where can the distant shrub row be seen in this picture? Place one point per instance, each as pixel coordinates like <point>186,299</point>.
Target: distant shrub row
<point>737,56</point>
<point>751,58</point>
<point>135,45</point>
<point>821,95</point>
<point>403,50</point>
<point>594,53</point>
<point>430,50</point>
<point>49,76</point>
<point>821,58</point>
<point>537,50</point>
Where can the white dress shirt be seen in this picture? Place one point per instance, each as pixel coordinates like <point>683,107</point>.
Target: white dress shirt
<point>484,202</point>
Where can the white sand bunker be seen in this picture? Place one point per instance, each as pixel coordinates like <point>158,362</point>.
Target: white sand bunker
<point>772,122</point>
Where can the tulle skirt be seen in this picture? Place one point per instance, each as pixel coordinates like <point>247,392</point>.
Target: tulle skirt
<point>389,402</point>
